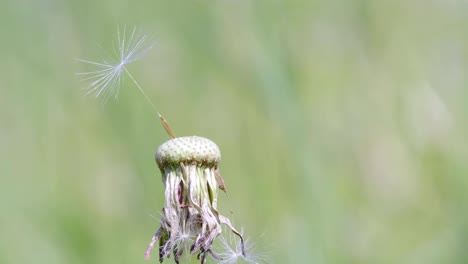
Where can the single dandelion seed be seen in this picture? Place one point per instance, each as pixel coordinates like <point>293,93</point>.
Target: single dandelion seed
<point>233,251</point>
<point>190,220</point>
<point>106,79</point>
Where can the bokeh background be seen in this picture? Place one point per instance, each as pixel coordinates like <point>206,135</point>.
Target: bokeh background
<point>343,127</point>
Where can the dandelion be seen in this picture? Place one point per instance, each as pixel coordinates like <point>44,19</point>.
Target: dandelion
<point>106,80</point>
<point>189,168</point>
<point>190,221</point>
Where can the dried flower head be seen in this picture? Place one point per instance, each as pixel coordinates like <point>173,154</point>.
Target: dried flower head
<point>190,220</point>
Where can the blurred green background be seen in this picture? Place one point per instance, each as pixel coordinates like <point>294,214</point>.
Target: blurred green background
<point>342,126</point>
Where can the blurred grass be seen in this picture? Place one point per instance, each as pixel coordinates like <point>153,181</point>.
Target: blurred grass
<point>342,126</point>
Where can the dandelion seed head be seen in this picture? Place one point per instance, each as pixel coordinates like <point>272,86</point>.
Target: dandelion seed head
<point>190,221</point>
<point>106,78</point>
